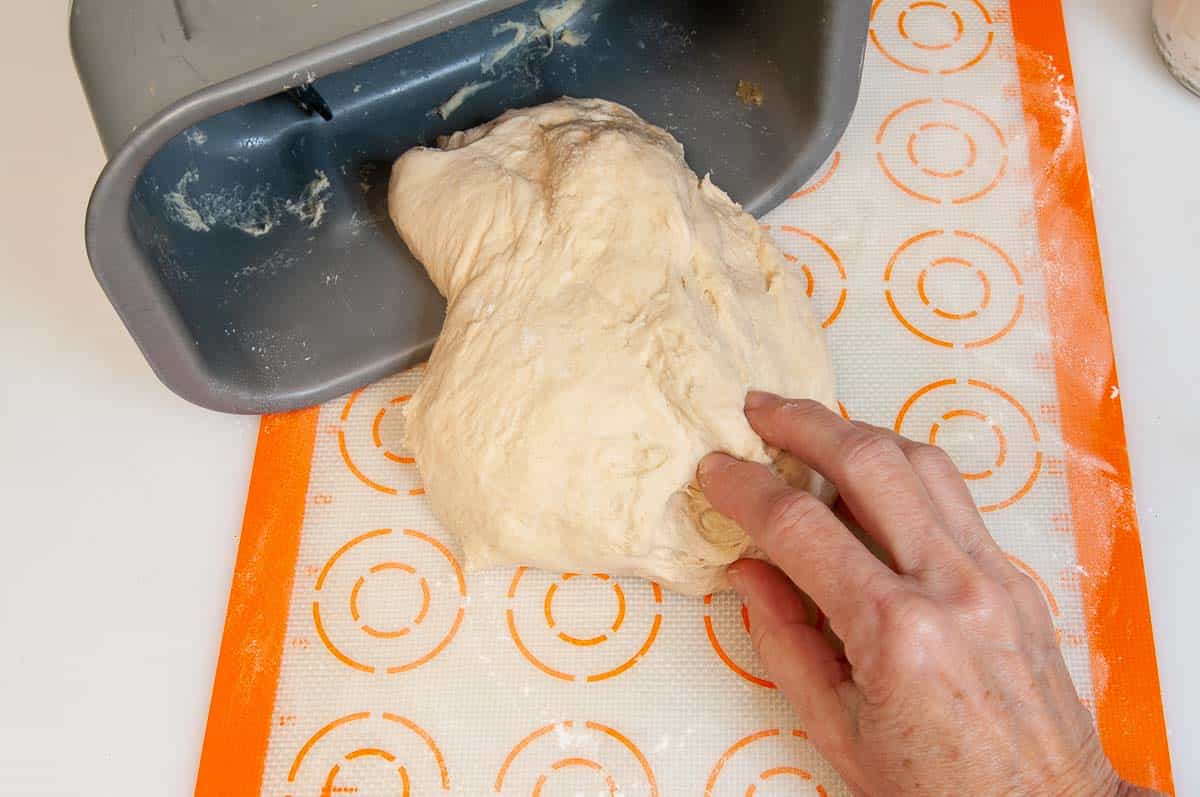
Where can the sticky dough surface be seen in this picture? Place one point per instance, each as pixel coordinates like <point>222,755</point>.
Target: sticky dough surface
<point>608,311</point>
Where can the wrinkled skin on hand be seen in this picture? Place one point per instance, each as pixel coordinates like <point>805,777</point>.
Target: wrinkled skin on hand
<point>952,681</point>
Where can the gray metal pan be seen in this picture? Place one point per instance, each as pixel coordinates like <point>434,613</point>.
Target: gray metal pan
<point>243,238</point>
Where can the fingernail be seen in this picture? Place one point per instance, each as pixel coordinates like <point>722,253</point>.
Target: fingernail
<point>709,466</point>
<point>760,400</point>
<point>735,580</point>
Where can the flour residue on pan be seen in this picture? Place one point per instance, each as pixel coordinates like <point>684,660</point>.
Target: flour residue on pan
<point>459,97</point>
<point>550,25</point>
<point>572,39</point>
<point>274,264</point>
<point>310,207</point>
<point>195,136</point>
<point>254,211</point>
<point>556,17</point>
<point>522,34</point>
<point>180,208</point>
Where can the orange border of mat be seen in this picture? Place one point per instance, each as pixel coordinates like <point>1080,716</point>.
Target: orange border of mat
<point>1128,702</point>
<point>243,697</point>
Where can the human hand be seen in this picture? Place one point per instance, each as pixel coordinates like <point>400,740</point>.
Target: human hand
<point>952,681</point>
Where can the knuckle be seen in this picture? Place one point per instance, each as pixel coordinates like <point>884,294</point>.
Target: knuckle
<point>987,604</point>
<point>932,458</point>
<point>866,451</point>
<point>767,642</point>
<point>1028,596</point>
<point>909,635</point>
<point>1024,589</point>
<point>789,512</point>
<point>878,587</point>
<point>911,626</point>
<point>760,640</point>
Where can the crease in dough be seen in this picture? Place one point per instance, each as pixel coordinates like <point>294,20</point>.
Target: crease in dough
<point>608,310</point>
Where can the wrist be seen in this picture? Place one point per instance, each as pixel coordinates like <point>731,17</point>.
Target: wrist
<point>1126,789</point>
<point>1091,774</point>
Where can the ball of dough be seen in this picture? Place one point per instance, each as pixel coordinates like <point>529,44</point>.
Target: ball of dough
<point>608,311</point>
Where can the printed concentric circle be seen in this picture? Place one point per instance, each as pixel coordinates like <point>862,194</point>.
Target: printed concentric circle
<point>1047,595</point>
<point>927,37</point>
<point>575,757</point>
<point>389,601</point>
<point>942,151</point>
<point>369,753</point>
<point>552,621</point>
<point>727,626</point>
<point>370,432</point>
<point>821,267</point>
<point>822,178</point>
<point>771,762</point>
<point>989,434</point>
<point>954,289</point>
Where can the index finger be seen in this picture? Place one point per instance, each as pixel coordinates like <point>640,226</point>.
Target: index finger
<point>800,535</point>
<point>872,474</point>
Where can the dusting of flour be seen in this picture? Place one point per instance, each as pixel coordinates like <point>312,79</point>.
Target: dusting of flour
<point>254,212</point>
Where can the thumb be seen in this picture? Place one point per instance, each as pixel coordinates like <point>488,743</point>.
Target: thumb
<point>797,657</point>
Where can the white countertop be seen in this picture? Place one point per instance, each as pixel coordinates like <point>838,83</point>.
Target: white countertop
<point>120,504</point>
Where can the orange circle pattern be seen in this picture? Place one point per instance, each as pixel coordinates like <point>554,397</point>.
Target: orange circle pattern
<point>1051,601</point>
<point>961,260</point>
<point>944,37</point>
<point>587,657</point>
<point>393,648</point>
<point>538,758</point>
<point>991,412</point>
<point>969,161</point>
<point>920,36</point>
<point>723,780</point>
<point>1047,595</point>
<point>735,653</point>
<point>822,178</point>
<point>370,432</point>
<point>825,280</point>
<point>401,758</point>
<point>978,167</point>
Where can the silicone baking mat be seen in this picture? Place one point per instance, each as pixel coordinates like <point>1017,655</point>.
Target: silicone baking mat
<point>948,246</point>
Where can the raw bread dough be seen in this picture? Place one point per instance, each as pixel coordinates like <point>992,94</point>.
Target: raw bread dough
<point>608,311</point>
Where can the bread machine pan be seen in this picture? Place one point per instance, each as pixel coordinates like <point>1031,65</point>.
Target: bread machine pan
<point>240,227</point>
